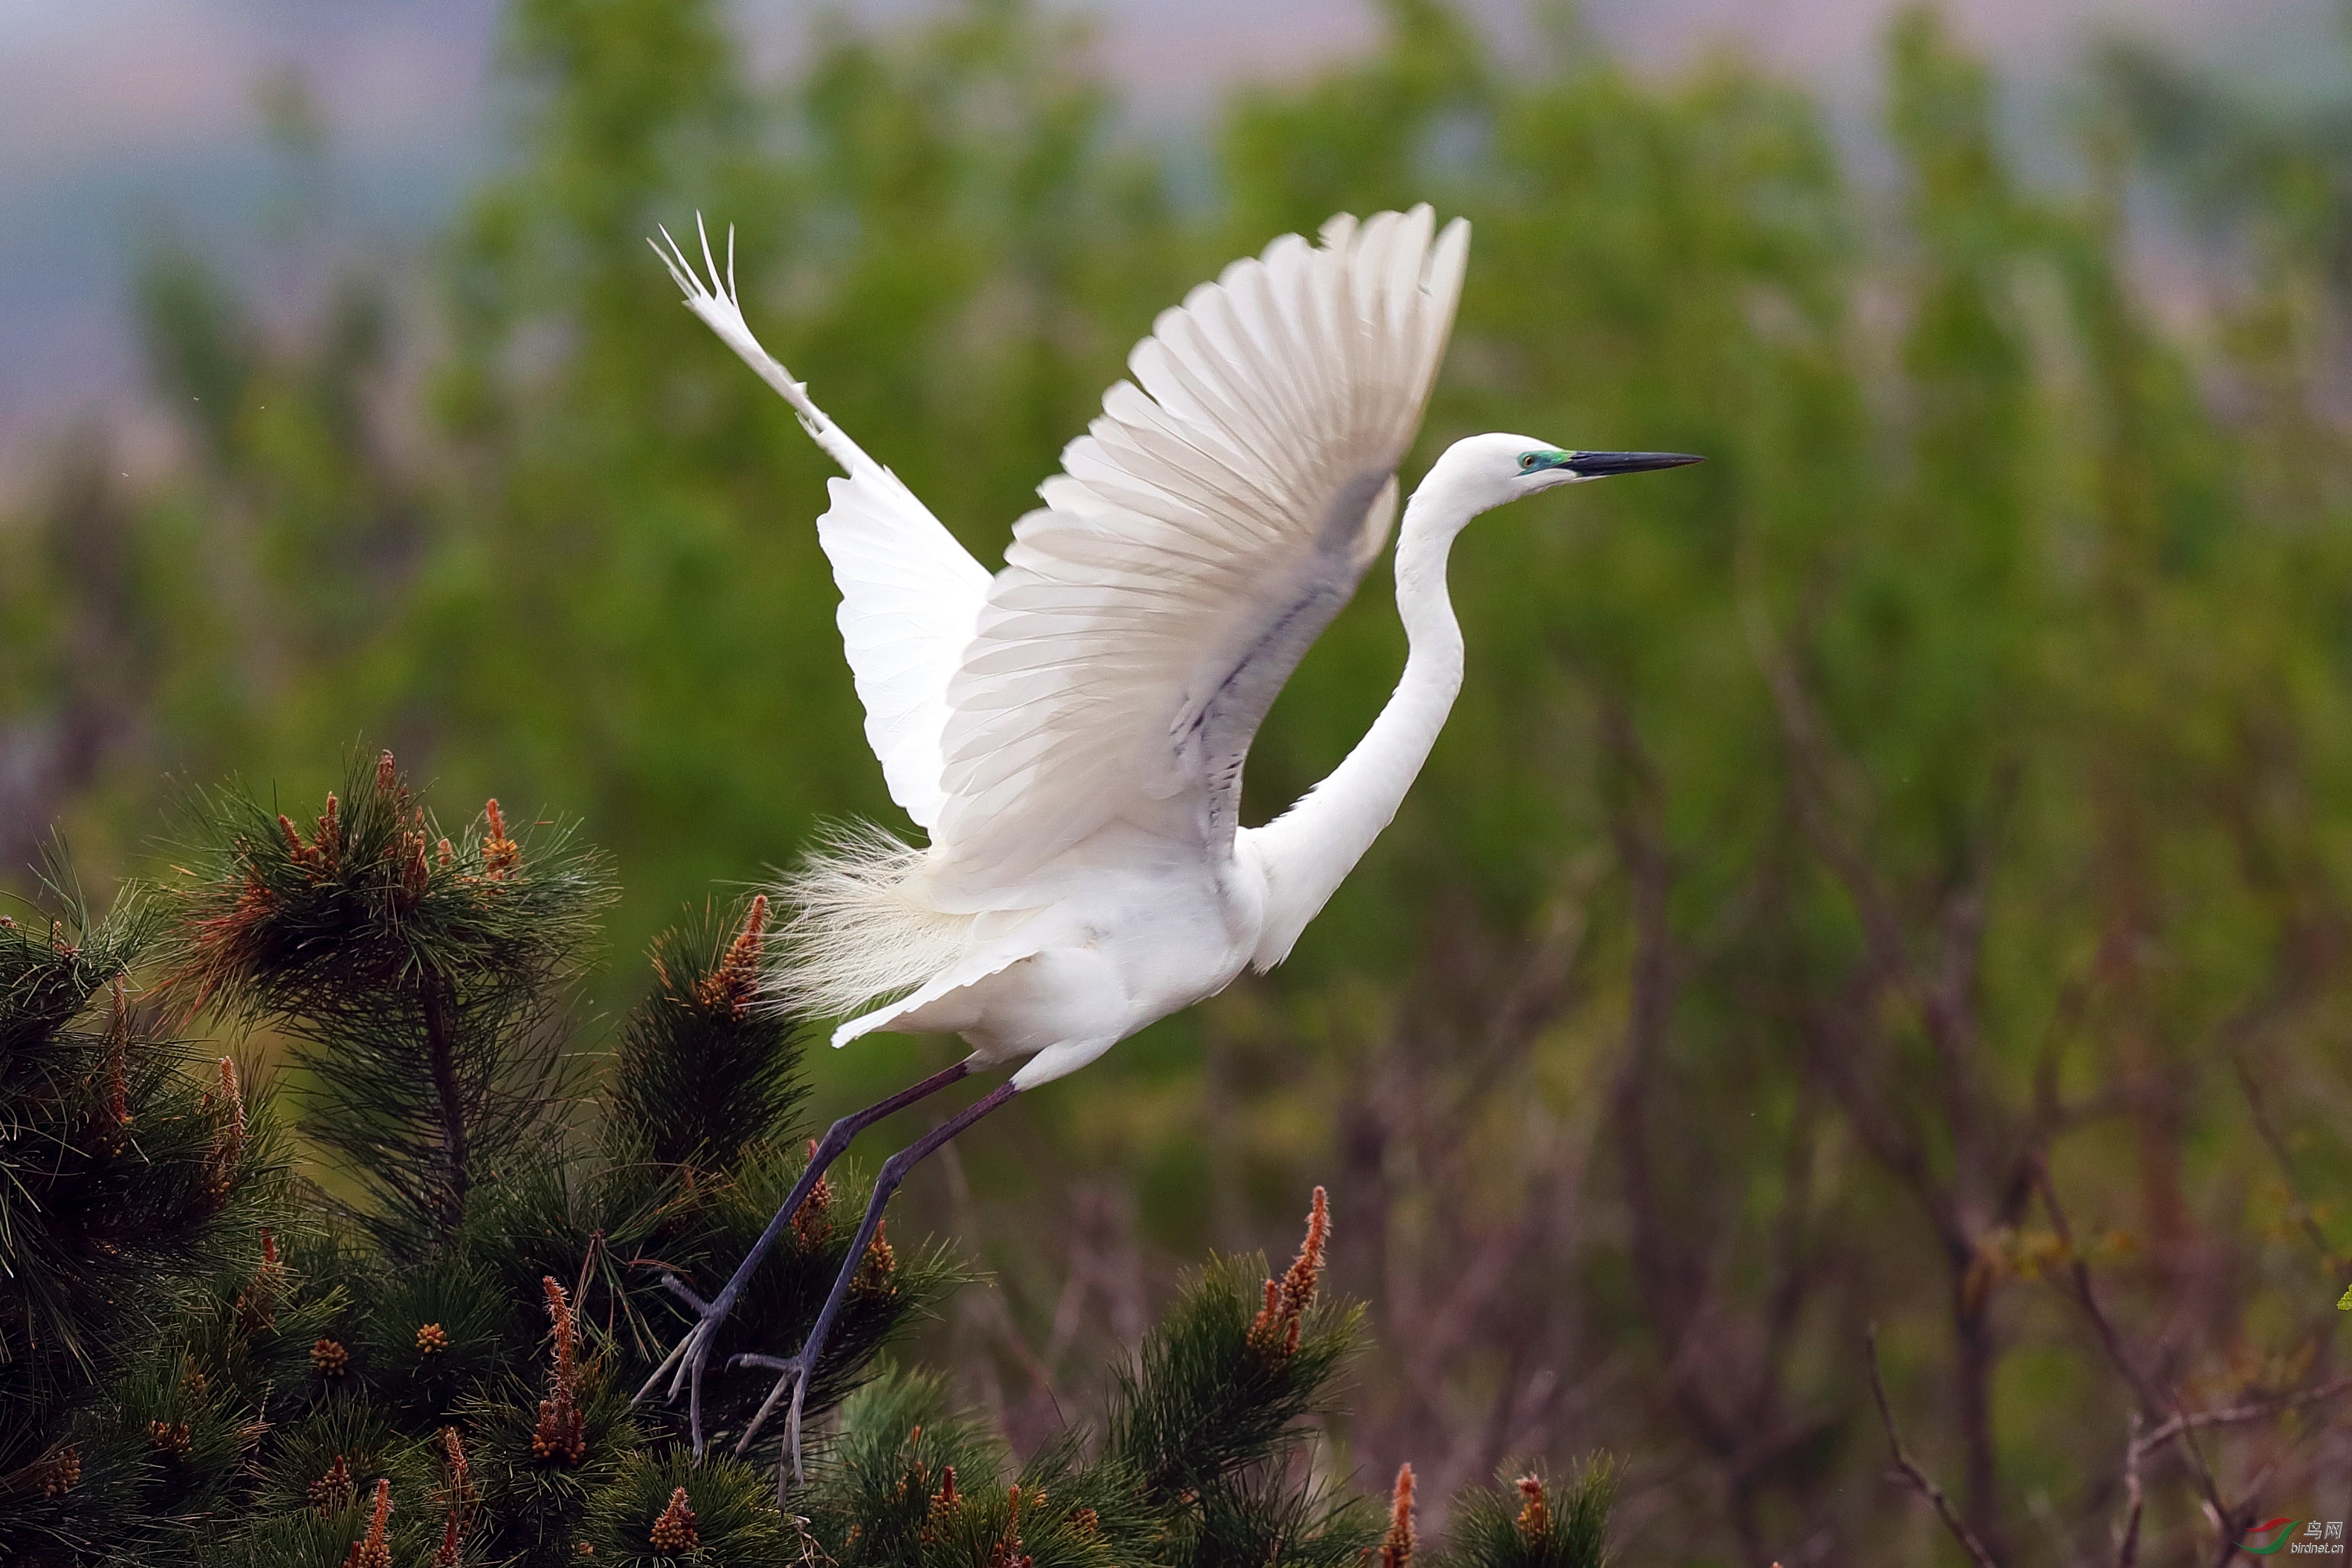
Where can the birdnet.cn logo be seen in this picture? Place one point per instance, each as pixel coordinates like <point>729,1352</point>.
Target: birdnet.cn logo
<point>2293,1535</point>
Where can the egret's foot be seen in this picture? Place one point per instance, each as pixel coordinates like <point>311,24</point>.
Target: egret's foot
<point>685,1364</point>
<point>792,1373</point>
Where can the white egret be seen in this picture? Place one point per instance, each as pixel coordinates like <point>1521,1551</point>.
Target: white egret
<point>1071,731</point>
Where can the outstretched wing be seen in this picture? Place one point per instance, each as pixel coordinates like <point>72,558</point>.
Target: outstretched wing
<point>910,596</point>
<point>1202,534</point>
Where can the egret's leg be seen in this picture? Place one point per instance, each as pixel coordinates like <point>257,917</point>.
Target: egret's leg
<point>796,1372</point>
<point>684,1364</point>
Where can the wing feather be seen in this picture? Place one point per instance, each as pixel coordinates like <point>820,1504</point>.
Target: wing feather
<point>910,594</point>
<point>1203,532</point>
<point>1201,535</point>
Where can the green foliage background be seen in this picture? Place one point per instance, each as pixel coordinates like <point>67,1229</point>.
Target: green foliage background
<point>1940,800</point>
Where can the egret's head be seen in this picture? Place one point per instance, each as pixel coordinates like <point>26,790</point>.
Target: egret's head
<point>1494,469</point>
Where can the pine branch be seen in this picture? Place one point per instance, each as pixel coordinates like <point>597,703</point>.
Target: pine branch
<point>705,1072</point>
<point>1528,1520</point>
<point>121,1170</point>
<point>438,1005</point>
<point>133,1174</point>
<point>1231,1368</point>
<point>420,975</point>
<point>295,1408</point>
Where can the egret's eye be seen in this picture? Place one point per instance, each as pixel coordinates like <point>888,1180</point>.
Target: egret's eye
<point>1527,460</point>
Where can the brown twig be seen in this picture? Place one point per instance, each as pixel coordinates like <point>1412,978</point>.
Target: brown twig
<point>2078,1274</point>
<point>2232,1414</point>
<point>1919,1478</point>
<point>2268,1130</point>
<point>2228,1519</point>
<point>2135,1497</point>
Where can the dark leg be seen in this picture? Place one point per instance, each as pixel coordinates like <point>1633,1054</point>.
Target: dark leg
<point>796,1372</point>
<point>687,1359</point>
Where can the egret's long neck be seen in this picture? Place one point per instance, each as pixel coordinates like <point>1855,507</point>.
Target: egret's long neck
<point>1311,847</point>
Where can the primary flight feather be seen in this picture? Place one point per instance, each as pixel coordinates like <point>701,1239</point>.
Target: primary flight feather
<point>1071,731</point>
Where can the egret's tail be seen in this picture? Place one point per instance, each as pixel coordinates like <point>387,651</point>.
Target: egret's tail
<point>862,927</point>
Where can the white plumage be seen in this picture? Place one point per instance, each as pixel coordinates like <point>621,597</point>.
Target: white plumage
<point>1072,730</point>
<point>1205,530</point>
<point>1077,723</point>
<point>860,926</point>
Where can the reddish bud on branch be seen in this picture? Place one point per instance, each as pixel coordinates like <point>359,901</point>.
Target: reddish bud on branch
<point>1273,1332</point>
<point>1396,1547</point>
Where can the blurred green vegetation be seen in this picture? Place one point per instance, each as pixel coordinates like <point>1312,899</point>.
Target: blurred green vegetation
<point>1865,877</point>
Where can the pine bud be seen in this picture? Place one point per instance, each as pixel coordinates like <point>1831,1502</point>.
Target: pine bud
<point>1535,1513</point>
<point>461,1501</point>
<point>1006,1553</point>
<point>330,846</point>
<point>415,871</point>
<point>1273,1332</point>
<point>1396,1547</point>
<point>330,1358</point>
<point>302,853</point>
<point>374,1550</point>
<point>256,1304</point>
<point>875,1270</point>
<point>944,1502</point>
<point>453,1451</point>
<point>228,1139</point>
<point>61,1472</point>
<point>500,854</point>
<point>332,1492</point>
<point>561,1433</point>
<point>731,985</point>
<point>674,1530</point>
<point>812,1221</point>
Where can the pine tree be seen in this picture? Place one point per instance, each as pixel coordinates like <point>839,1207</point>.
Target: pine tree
<point>132,1175</point>
<point>419,977</point>
<point>425,1354</point>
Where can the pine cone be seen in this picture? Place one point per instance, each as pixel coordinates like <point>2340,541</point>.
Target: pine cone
<point>330,1358</point>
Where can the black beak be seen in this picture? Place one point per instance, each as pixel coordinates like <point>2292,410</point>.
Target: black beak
<point>1600,465</point>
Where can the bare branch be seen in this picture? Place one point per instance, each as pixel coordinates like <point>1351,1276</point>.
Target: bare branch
<point>2256,1104</point>
<point>2135,1497</point>
<point>1918,1479</point>
<point>2237,1415</point>
<point>2078,1275</point>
